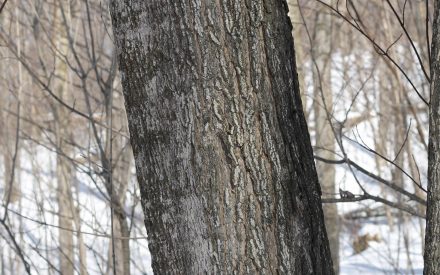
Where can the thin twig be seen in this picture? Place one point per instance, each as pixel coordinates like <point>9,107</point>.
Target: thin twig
<point>367,196</point>
<point>402,24</point>
<point>378,48</point>
<point>390,184</point>
<point>99,235</point>
<point>428,44</point>
<point>3,5</point>
<point>17,247</point>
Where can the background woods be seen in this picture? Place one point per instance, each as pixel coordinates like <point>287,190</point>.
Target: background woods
<point>71,203</point>
<point>69,195</point>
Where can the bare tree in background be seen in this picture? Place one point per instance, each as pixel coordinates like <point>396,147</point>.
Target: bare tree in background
<point>321,54</point>
<point>64,169</point>
<point>71,116</point>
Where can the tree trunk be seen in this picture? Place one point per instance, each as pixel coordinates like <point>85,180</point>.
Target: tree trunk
<point>65,237</point>
<point>122,178</point>
<point>121,174</point>
<point>117,147</point>
<point>324,137</point>
<point>295,16</point>
<point>432,238</point>
<point>64,171</point>
<point>222,152</point>
<point>9,125</point>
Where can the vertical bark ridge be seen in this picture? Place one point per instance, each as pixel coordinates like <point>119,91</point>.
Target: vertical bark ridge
<point>432,238</point>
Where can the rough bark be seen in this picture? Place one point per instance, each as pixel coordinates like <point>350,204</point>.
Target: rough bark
<point>222,152</point>
<point>324,137</point>
<point>432,238</point>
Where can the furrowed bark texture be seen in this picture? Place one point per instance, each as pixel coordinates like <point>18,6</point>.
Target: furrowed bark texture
<point>222,152</point>
<point>432,238</point>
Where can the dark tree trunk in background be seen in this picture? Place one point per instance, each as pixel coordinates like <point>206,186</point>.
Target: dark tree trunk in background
<point>432,238</point>
<point>222,152</point>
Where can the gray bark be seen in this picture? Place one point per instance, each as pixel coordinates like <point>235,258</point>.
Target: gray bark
<point>223,156</point>
<point>432,238</point>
